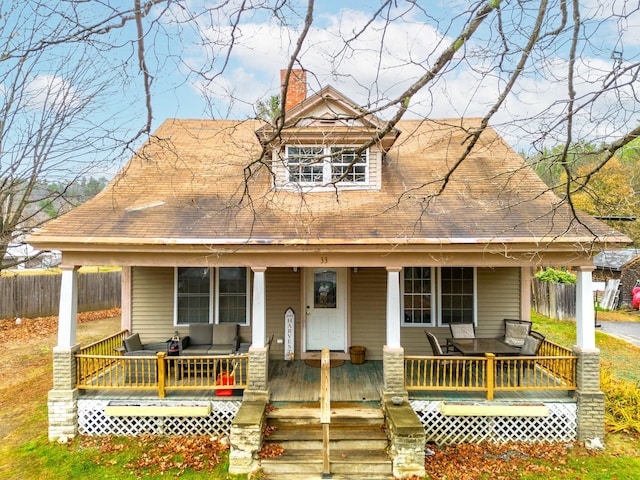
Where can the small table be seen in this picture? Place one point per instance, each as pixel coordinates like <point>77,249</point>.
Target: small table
<point>475,347</point>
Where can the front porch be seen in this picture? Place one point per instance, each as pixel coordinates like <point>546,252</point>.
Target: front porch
<point>104,380</point>
<point>100,368</point>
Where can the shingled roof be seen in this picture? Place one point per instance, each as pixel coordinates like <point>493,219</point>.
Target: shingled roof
<point>191,184</point>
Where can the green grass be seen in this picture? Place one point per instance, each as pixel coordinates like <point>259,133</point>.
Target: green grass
<point>40,459</point>
<point>596,467</point>
<point>621,357</point>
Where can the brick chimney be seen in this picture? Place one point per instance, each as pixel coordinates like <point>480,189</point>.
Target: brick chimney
<point>297,88</point>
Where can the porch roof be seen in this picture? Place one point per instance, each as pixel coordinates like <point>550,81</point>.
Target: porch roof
<point>203,183</point>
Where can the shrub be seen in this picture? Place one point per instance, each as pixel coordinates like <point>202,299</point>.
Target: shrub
<point>556,276</point>
<point>622,403</point>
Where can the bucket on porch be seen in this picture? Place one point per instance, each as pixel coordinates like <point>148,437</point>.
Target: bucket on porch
<point>357,354</point>
<point>224,379</point>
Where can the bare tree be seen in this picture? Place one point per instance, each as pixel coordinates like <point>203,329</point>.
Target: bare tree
<point>54,88</point>
<point>545,73</point>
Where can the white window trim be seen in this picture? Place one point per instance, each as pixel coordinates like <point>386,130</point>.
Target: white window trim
<point>214,315</point>
<point>327,183</point>
<point>175,298</point>
<point>475,298</point>
<point>248,298</point>
<point>436,296</point>
<point>434,302</point>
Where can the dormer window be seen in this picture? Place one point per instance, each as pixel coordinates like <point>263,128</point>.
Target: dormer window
<point>323,165</point>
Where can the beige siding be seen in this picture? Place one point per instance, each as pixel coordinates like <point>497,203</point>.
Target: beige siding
<point>498,297</point>
<point>152,303</point>
<point>368,310</point>
<point>283,292</point>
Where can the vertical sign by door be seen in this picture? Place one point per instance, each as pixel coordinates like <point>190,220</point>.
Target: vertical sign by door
<point>289,334</point>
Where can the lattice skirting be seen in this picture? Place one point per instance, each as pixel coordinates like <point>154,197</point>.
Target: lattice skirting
<point>559,426</point>
<point>92,420</point>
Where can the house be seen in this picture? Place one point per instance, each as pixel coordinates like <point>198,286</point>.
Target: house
<point>621,264</point>
<point>330,232</point>
<point>23,256</point>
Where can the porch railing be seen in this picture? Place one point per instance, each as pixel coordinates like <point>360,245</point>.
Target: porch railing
<point>553,369</point>
<point>106,347</point>
<point>221,373</point>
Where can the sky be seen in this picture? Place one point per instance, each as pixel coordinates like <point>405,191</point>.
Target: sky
<point>194,75</point>
<point>381,62</point>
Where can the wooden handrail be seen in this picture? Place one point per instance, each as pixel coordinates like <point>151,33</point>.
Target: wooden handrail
<point>162,373</point>
<point>491,373</point>
<point>325,408</point>
<point>106,345</point>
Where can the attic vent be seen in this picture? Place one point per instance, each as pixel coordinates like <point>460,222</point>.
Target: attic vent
<point>325,121</point>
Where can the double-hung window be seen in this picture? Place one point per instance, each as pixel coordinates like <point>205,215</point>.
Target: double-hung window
<point>418,295</point>
<point>322,165</point>
<point>438,296</point>
<point>193,295</point>
<point>200,299</point>
<point>457,288</point>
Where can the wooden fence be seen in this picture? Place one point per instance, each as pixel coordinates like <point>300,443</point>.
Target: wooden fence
<point>39,295</point>
<point>554,300</point>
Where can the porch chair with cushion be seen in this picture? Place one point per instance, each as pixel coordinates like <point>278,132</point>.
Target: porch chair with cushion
<point>516,331</point>
<point>209,339</point>
<point>436,348</point>
<point>133,343</point>
<point>443,364</point>
<point>530,348</point>
<point>141,372</point>
<point>532,343</point>
<point>460,330</point>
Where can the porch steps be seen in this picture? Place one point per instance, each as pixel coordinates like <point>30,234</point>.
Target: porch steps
<point>357,443</point>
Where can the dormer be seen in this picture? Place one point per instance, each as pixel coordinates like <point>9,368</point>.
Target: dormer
<point>326,142</point>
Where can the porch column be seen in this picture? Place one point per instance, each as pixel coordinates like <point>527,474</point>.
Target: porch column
<point>393,307</point>
<point>258,368</point>
<point>68,311</point>
<point>525,293</point>
<point>393,353</point>
<point>62,401</point>
<point>125,298</point>
<point>259,320</point>
<point>585,319</point>
<point>589,398</point>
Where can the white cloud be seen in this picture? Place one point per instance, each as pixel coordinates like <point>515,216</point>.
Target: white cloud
<point>384,59</point>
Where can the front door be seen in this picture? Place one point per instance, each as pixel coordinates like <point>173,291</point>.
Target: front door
<point>326,312</point>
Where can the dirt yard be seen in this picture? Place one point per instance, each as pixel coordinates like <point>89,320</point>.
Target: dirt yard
<point>26,371</point>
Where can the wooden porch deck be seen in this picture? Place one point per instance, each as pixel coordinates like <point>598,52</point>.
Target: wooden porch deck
<point>296,381</point>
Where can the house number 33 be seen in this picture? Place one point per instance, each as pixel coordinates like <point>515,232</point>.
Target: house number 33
<point>324,259</point>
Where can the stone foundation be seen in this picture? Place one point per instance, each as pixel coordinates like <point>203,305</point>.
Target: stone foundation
<point>63,415</point>
<point>406,440</point>
<point>246,438</point>
<point>63,399</point>
<point>393,371</point>
<point>588,396</point>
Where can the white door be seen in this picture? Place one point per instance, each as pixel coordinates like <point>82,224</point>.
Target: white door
<point>326,313</point>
